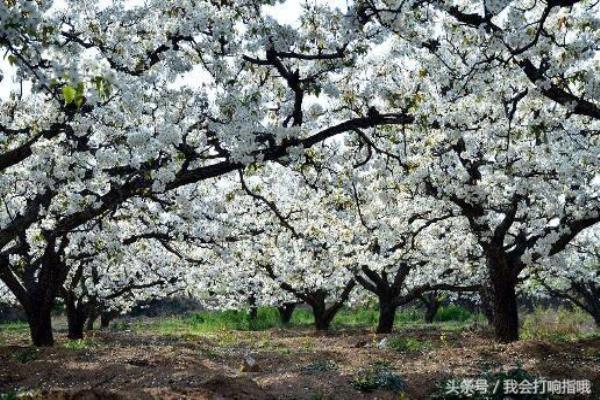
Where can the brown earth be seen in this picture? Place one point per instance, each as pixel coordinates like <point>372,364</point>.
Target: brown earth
<point>128,365</point>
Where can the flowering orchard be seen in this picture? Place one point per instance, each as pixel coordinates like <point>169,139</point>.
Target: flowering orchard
<point>383,149</point>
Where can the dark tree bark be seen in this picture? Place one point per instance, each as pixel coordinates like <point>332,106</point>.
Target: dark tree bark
<point>387,315</point>
<point>589,295</point>
<point>503,279</point>
<point>92,316</point>
<point>506,316</point>
<point>76,316</point>
<point>322,323</point>
<point>253,311</point>
<point>75,326</point>
<point>105,318</point>
<point>487,303</point>
<point>596,319</point>
<point>285,312</point>
<point>322,314</point>
<point>40,325</point>
<point>41,293</point>
<point>91,319</point>
<point>316,299</point>
<point>387,292</point>
<point>583,294</point>
<point>322,318</point>
<point>432,304</point>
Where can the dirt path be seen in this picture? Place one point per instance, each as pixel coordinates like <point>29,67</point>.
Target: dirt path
<point>292,364</point>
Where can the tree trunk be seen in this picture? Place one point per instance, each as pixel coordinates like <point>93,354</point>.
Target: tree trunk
<point>432,305</point>
<point>91,319</point>
<point>597,319</point>
<point>42,286</point>
<point>506,316</point>
<point>322,317</point>
<point>40,325</point>
<point>253,311</point>
<point>387,315</point>
<point>285,312</point>
<point>75,326</point>
<point>92,314</point>
<point>105,319</point>
<point>322,323</point>
<point>75,317</point>
<point>487,304</point>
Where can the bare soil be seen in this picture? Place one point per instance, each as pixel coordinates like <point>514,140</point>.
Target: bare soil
<point>134,365</point>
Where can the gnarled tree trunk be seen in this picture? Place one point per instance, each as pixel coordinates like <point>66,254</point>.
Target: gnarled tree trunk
<point>322,317</point>
<point>41,296</point>
<point>253,311</point>
<point>503,284</point>
<point>322,313</point>
<point>91,319</point>
<point>486,298</point>
<point>105,318</point>
<point>76,316</point>
<point>285,312</point>
<point>39,318</point>
<point>432,305</point>
<point>387,315</point>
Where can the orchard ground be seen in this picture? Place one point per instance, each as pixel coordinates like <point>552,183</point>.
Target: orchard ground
<point>202,356</point>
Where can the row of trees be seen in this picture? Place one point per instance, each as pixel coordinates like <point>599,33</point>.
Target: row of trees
<point>346,146</point>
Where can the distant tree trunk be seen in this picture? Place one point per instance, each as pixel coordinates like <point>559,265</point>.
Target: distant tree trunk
<point>89,323</point>
<point>432,305</point>
<point>324,315</point>
<point>316,299</point>
<point>487,303</point>
<point>387,291</point>
<point>594,310</point>
<point>585,295</point>
<point>75,326</point>
<point>322,318</point>
<point>91,317</point>
<point>253,312</point>
<point>76,316</point>
<point>286,311</point>
<point>105,318</point>
<point>318,308</point>
<point>387,315</point>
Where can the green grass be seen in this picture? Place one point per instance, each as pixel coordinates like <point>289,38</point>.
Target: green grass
<point>410,316</point>
<point>356,317</point>
<point>378,376</point>
<point>12,395</point>
<point>453,313</point>
<point>78,345</point>
<point>204,322</point>
<point>26,354</point>
<point>222,321</point>
<point>320,366</point>
<point>10,329</point>
<point>407,344</point>
<point>14,327</point>
<point>561,324</point>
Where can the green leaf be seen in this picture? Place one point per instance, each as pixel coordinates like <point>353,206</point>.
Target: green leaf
<point>79,101</point>
<point>69,94</point>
